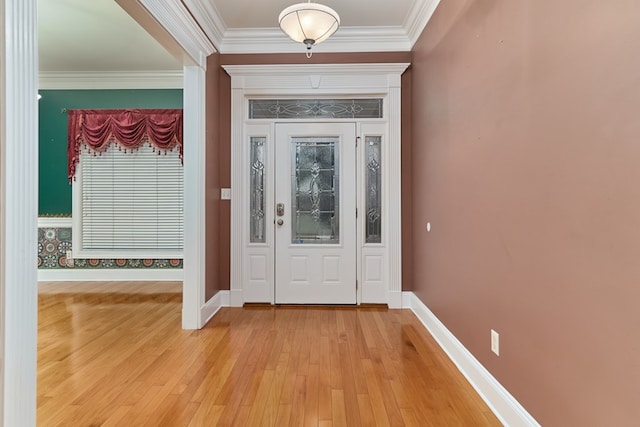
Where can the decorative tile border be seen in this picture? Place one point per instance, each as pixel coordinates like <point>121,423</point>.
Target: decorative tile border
<point>54,242</point>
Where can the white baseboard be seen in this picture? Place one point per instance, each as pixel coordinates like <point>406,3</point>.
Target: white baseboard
<point>394,299</point>
<point>211,307</point>
<point>502,403</point>
<point>101,275</point>
<point>407,299</point>
<point>236,298</point>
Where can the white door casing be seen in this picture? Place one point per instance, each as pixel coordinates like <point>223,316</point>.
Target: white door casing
<point>315,225</point>
<point>378,265</point>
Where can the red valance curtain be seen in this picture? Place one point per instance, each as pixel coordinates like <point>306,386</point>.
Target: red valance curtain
<point>97,129</point>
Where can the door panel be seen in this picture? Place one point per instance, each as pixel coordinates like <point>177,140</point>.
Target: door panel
<point>315,213</point>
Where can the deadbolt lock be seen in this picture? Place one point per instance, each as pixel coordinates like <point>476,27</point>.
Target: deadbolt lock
<point>280,209</point>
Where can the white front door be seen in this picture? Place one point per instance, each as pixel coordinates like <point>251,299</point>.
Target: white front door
<point>315,222</point>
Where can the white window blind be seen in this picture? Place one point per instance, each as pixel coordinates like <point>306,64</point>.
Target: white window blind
<point>131,203</point>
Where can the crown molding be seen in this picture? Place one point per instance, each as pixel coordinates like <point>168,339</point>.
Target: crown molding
<point>178,21</point>
<point>418,18</point>
<point>347,39</point>
<point>209,19</point>
<point>111,80</point>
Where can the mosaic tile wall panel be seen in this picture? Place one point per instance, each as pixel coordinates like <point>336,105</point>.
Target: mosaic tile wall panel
<point>53,244</point>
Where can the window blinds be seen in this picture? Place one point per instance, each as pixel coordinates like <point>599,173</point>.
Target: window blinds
<point>131,201</point>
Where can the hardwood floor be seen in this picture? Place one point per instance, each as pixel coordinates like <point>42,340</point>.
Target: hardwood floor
<point>119,358</point>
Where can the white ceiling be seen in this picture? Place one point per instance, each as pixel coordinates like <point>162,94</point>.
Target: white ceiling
<point>353,13</point>
<point>99,36</point>
<point>95,35</point>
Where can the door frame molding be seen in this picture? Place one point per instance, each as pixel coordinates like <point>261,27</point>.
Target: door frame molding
<point>319,81</point>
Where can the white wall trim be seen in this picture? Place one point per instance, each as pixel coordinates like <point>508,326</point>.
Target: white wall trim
<point>19,211</point>
<point>237,205</point>
<point>347,39</point>
<point>508,410</point>
<point>193,297</point>
<point>112,275</point>
<point>219,300</point>
<point>170,79</point>
<point>3,179</point>
<point>180,24</point>
<point>236,297</point>
<point>394,191</point>
<point>407,299</point>
<point>207,15</point>
<point>297,80</point>
<point>252,74</point>
<point>394,299</point>
<point>418,18</point>
<point>55,222</point>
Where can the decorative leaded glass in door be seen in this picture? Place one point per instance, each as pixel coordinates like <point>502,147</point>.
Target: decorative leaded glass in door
<point>373,183</point>
<point>257,200</point>
<point>315,190</point>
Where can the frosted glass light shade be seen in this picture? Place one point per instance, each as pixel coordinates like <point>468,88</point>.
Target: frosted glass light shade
<point>309,23</point>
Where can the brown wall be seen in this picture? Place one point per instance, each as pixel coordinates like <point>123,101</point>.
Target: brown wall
<point>214,207</point>
<point>317,58</point>
<point>224,172</point>
<point>526,160</point>
<point>221,162</point>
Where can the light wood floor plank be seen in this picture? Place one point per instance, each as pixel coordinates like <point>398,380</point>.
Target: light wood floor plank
<point>113,354</point>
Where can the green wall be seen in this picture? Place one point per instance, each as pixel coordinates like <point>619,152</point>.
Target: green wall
<point>54,198</point>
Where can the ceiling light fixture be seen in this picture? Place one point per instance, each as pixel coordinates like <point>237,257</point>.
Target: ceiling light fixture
<point>309,23</point>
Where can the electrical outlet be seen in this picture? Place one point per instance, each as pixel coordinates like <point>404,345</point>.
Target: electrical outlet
<point>69,258</point>
<point>69,255</point>
<point>495,342</point>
